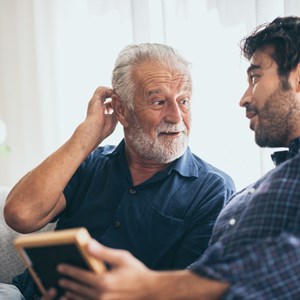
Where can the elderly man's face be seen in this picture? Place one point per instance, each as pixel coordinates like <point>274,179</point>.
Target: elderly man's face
<point>160,123</point>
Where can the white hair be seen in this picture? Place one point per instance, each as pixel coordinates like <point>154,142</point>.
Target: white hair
<point>132,55</point>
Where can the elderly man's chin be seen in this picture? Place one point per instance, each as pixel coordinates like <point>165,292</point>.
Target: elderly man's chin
<point>162,151</point>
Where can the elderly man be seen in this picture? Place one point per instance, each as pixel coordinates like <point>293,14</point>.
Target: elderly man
<point>255,247</point>
<point>149,195</point>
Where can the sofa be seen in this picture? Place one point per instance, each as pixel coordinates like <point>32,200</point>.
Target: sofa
<point>10,263</point>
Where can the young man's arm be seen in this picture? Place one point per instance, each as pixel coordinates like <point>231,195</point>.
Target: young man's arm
<point>129,279</point>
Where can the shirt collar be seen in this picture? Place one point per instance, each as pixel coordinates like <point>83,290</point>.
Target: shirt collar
<point>120,149</point>
<point>281,156</point>
<point>184,165</point>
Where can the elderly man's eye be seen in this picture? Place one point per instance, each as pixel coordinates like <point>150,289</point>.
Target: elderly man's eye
<point>185,102</point>
<point>158,102</point>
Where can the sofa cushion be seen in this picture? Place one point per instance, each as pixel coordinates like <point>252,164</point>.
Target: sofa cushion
<point>10,263</point>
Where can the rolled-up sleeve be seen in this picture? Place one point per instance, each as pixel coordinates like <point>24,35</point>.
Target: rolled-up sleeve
<point>267,269</point>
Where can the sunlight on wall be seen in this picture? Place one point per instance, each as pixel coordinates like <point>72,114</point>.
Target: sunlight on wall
<point>63,50</point>
<point>85,61</point>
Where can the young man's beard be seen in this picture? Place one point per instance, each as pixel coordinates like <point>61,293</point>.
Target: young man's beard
<point>162,149</point>
<point>277,119</point>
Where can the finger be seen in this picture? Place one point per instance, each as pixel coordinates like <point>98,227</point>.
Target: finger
<point>103,92</point>
<point>75,290</point>
<point>77,274</point>
<point>49,295</point>
<point>112,256</point>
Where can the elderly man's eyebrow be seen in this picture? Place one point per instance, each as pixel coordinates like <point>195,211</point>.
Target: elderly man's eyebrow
<point>152,92</point>
<point>187,88</point>
<point>252,68</point>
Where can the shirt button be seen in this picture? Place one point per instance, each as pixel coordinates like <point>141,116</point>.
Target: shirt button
<point>232,221</point>
<point>132,191</point>
<point>117,224</point>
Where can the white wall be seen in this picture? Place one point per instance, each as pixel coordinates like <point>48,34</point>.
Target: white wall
<point>54,53</point>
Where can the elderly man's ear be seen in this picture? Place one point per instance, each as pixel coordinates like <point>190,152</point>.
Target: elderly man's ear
<point>120,110</point>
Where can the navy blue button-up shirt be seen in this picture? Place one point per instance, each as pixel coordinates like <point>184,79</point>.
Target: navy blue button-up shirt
<point>165,221</point>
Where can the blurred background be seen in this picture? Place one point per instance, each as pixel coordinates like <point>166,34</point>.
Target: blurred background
<point>54,54</point>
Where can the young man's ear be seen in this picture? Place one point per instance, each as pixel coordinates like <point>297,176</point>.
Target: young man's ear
<point>120,110</point>
<point>298,78</point>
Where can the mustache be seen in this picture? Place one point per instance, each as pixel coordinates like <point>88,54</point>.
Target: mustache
<point>167,127</point>
<point>251,109</point>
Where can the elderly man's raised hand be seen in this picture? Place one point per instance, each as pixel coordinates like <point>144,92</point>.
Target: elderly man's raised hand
<point>101,118</point>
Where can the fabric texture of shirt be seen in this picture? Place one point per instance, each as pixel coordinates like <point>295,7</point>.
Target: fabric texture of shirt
<point>166,221</point>
<point>255,245</point>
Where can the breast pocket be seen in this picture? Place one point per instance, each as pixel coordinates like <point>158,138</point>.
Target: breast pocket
<point>161,236</point>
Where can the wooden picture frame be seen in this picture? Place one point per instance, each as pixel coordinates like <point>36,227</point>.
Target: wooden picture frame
<point>42,252</point>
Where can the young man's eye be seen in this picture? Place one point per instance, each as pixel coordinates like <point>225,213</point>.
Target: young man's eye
<point>253,79</point>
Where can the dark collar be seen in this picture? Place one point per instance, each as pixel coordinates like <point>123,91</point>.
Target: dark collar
<point>185,165</point>
<point>281,156</point>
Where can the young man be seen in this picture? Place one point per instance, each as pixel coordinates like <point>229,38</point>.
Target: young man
<point>255,247</point>
<point>149,195</point>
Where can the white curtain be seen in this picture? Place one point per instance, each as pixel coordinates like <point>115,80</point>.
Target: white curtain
<point>54,53</point>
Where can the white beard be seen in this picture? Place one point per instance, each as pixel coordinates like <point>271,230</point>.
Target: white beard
<point>163,149</point>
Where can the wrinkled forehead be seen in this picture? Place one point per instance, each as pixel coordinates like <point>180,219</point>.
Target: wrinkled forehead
<point>152,73</point>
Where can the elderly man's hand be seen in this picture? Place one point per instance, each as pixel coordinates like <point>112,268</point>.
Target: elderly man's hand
<point>101,119</point>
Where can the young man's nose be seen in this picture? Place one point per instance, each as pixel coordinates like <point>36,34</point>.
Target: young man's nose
<point>246,98</point>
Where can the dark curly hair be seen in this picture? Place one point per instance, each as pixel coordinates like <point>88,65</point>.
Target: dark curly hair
<point>283,34</point>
